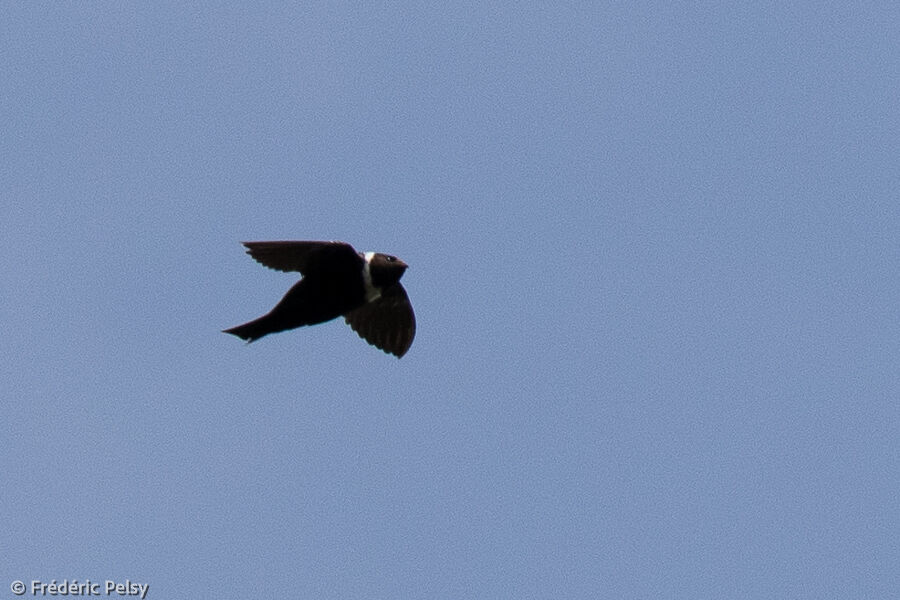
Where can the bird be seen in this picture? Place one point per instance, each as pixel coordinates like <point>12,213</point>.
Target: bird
<point>337,281</point>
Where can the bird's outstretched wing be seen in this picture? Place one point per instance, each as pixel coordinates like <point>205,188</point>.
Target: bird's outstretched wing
<point>388,323</point>
<point>298,255</point>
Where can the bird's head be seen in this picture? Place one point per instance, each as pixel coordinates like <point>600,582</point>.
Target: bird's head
<point>385,269</point>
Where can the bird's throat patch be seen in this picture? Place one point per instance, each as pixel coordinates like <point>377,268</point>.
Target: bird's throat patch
<point>372,292</point>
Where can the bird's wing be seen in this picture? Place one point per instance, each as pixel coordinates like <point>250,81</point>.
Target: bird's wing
<point>388,322</point>
<point>299,256</point>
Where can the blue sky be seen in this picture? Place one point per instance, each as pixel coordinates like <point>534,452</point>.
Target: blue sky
<point>654,263</point>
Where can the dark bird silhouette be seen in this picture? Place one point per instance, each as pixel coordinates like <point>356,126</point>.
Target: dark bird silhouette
<point>337,281</point>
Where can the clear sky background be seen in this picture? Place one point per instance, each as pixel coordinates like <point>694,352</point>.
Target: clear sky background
<point>654,260</point>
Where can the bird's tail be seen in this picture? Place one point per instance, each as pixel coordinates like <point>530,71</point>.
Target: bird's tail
<point>251,331</point>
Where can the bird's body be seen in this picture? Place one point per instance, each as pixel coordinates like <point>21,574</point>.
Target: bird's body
<point>337,281</point>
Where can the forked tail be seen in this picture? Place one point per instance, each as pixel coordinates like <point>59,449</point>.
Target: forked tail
<point>251,331</point>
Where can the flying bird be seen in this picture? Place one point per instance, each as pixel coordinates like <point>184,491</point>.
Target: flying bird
<point>337,281</point>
